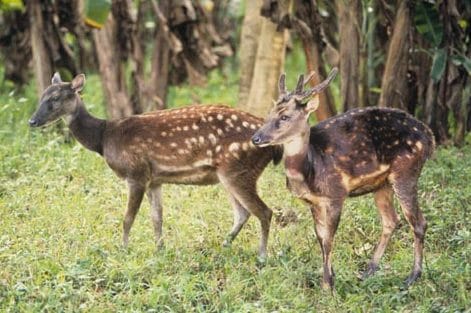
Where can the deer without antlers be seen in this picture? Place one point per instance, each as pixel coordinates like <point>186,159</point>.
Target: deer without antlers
<point>378,150</point>
<point>195,145</point>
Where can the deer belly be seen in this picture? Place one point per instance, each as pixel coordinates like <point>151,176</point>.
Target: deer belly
<point>359,185</point>
<point>204,175</point>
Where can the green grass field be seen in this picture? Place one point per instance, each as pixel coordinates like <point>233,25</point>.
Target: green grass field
<point>60,241</point>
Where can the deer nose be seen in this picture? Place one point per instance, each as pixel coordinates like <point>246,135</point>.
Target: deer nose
<point>256,139</point>
<point>32,122</point>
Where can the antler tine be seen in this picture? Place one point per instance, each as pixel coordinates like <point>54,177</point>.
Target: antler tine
<point>300,84</point>
<point>282,84</point>
<point>322,85</point>
<point>309,77</point>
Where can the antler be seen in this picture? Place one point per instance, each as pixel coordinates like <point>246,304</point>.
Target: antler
<point>309,77</point>
<point>282,84</point>
<point>298,93</point>
<point>300,84</point>
<point>318,88</point>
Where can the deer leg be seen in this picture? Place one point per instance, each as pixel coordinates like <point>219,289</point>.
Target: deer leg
<point>243,189</point>
<point>389,219</point>
<point>326,217</point>
<point>136,193</point>
<point>406,191</point>
<point>155,199</point>
<point>241,216</point>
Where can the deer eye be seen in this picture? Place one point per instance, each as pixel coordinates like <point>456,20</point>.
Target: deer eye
<point>284,117</point>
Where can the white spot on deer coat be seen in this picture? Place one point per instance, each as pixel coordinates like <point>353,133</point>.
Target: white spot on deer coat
<point>185,128</point>
<point>204,162</point>
<point>220,117</point>
<point>234,117</point>
<point>229,122</point>
<point>234,146</point>
<point>220,132</point>
<point>245,124</point>
<point>212,139</point>
<point>163,134</point>
<point>195,127</point>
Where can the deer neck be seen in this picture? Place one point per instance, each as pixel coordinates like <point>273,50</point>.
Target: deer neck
<point>296,159</point>
<point>88,130</point>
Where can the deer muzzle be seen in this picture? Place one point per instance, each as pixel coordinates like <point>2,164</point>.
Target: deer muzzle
<point>259,139</point>
<point>33,122</point>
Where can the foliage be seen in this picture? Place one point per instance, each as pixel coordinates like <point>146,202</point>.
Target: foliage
<point>428,24</point>
<point>60,249</point>
<point>6,5</point>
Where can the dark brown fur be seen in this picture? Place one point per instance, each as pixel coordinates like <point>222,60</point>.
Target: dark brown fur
<point>377,150</point>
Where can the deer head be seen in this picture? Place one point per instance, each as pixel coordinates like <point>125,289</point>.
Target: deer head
<point>290,115</point>
<point>58,100</point>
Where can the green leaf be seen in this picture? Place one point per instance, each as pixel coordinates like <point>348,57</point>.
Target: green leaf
<point>438,64</point>
<point>462,60</point>
<point>427,22</point>
<point>8,5</point>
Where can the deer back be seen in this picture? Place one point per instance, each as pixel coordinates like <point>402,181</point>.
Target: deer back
<point>364,144</point>
<point>188,139</point>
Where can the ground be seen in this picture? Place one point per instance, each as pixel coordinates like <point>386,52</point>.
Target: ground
<point>60,240</point>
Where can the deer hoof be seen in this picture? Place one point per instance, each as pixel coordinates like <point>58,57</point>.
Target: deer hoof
<point>262,260</point>
<point>160,245</point>
<point>372,268</point>
<point>227,242</point>
<point>412,278</point>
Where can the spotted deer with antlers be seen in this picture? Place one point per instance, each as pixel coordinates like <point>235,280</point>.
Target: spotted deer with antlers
<point>366,150</point>
<point>198,145</point>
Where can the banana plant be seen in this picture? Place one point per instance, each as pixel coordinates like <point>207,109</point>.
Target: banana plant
<point>430,26</point>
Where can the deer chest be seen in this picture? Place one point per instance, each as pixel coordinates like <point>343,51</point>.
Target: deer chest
<point>298,186</point>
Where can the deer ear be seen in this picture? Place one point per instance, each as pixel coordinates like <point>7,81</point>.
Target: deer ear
<point>56,79</point>
<point>78,82</point>
<point>312,104</point>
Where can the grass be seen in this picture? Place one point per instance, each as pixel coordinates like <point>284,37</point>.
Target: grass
<point>60,242</point>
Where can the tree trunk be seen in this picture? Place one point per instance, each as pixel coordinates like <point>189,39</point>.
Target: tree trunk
<point>349,42</point>
<point>118,103</point>
<point>394,91</point>
<point>49,48</point>
<point>307,24</point>
<point>42,61</point>
<point>15,47</point>
<point>160,61</point>
<point>268,67</point>
<point>249,40</point>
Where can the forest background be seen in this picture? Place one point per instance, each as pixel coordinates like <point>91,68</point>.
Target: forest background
<point>61,206</point>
